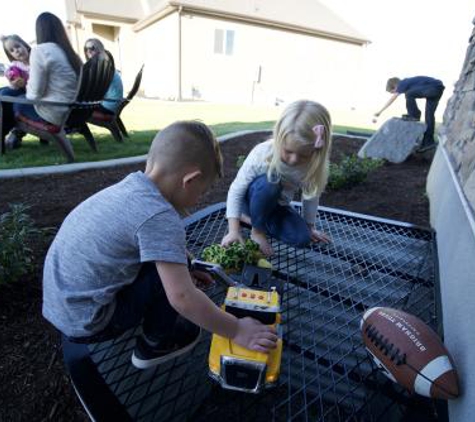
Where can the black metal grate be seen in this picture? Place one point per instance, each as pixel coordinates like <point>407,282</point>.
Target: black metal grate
<point>326,374</point>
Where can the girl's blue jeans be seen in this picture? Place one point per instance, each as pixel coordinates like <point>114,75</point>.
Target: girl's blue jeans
<point>279,221</point>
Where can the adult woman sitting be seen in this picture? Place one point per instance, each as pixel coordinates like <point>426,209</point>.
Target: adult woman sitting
<point>115,92</point>
<point>54,72</point>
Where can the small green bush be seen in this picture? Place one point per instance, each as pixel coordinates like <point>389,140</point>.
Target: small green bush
<point>17,231</point>
<point>240,161</point>
<point>351,171</point>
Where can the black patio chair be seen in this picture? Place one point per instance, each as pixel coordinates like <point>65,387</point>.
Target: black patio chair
<point>94,80</point>
<point>113,122</point>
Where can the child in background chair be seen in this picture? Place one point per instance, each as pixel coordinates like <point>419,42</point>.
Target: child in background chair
<point>296,159</point>
<point>17,74</point>
<point>119,257</point>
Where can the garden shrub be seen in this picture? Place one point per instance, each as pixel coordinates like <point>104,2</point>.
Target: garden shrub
<point>240,161</point>
<point>17,232</point>
<point>351,171</point>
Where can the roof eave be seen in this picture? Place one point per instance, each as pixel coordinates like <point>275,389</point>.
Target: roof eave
<point>234,17</point>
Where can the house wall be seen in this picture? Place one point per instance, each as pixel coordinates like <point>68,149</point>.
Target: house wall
<point>451,189</point>
<point>118,8</point>
<point>160,48</point>
<point>292,65</point>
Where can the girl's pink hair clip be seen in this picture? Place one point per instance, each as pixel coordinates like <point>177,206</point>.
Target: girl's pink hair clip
<point>319,130</point>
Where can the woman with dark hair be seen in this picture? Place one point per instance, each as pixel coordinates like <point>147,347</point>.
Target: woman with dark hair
<point>115,92</point>
<point>54,71</point>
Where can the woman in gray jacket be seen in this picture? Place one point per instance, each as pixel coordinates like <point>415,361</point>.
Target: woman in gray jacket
<point>54,72</point>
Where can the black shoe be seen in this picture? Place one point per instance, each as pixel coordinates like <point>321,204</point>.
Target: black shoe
<point>148,354</point>
<point>426,147</point>
<point>14,139</point>
<point>410,118</point>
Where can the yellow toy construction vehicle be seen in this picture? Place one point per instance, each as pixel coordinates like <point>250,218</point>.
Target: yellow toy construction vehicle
<point>257,296</point>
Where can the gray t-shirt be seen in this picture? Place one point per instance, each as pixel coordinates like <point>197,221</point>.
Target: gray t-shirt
<point>99,250</point>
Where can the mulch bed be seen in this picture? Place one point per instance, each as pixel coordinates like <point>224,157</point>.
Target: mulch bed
<point>33,382</point>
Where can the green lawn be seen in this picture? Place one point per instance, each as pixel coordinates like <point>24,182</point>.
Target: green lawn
<point>143,118</point>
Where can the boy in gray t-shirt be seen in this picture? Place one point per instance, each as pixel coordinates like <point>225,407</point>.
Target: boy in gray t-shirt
<point>119,258</point>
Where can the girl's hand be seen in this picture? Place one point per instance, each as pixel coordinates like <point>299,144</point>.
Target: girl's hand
<point>254,335</point>
<point>232,237</point>
<point>318,236</point>
<point>18,83</point>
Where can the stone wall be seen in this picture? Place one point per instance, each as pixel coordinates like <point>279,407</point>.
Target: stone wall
<point>458,129</point>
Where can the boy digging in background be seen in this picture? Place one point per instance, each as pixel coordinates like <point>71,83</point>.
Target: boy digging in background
<point>417,87</point>
<point>119,257</point>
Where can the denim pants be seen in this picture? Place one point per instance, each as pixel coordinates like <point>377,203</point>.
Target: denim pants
<point>144,299</point>
<point>28,110</point>
<point>432,95</point>
<point>279,221</point>
<point>8,118</point>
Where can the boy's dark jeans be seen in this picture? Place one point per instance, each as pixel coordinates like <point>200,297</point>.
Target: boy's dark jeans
<point>144,299</point>
<point>432,95</point>
<point>279,221</point>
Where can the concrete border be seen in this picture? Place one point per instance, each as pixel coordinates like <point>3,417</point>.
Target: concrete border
<point>91,165</point>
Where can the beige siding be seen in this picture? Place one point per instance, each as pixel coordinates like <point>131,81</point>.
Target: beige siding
<point>160,47</point>
<point>299,13</point>
<point>292,65</point>
<point>119,8</point>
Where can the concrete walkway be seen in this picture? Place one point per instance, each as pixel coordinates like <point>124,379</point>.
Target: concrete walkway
<point>75,167</point>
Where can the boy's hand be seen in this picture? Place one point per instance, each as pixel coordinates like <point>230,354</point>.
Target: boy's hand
<point>254,335</point>
<point>318,236</point>
<point>232,237</point>
<point>201,279</point>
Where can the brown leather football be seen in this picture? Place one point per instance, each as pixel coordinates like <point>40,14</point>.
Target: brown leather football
<point>409,353</point>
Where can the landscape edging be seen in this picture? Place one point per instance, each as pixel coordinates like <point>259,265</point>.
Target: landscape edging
<point>76,167</point>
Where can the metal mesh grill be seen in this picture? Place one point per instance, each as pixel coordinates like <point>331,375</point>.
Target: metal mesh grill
<point>326,374</point>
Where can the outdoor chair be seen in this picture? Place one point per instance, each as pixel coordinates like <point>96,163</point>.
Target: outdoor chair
<point>113,122</point>
<point>94,80</point>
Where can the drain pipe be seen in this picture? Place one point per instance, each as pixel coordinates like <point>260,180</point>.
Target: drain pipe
<point>179,96</point>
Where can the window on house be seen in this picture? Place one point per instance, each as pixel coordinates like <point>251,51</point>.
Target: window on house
<point>224,42</point>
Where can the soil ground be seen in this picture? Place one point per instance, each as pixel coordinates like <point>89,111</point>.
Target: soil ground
<point>33,383</point>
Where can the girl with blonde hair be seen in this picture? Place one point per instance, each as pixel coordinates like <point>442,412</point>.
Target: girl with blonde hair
<point>295,160</point>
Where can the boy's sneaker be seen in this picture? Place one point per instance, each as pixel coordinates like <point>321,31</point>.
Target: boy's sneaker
<point>410,118</point>
<point>148,354</point>
<point>426,147</point>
